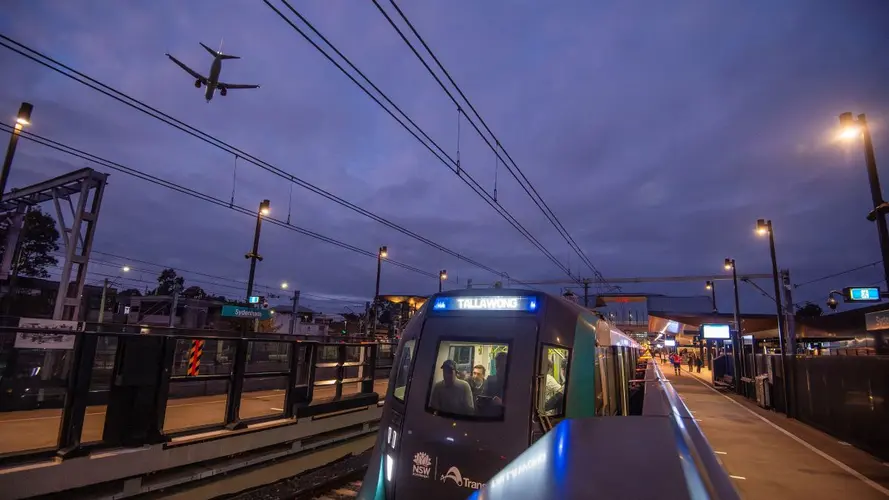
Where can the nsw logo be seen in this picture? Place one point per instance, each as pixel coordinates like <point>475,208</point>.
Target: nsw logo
<point>421,467</point>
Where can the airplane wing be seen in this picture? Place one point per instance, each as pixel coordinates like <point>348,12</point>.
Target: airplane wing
<point>236,86</point>
<point>190,71</point>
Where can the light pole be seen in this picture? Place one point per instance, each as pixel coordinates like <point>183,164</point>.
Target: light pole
<point>105,286</point>
<point>254,254</point>
<point>736,342</point>
<point>295,313</point>
<point>705,343</point>
<point>710,286</point>
<point>442,275</point>
<point>764,227</point>
<point>22,120</point>
<point>852,129</point>
<point>381,254</point>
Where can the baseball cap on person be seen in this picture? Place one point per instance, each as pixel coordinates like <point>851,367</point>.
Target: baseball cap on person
<point>449,363</point>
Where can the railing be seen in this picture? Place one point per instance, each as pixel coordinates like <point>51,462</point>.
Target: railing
<point>125,385</point>
<point>704,477</point>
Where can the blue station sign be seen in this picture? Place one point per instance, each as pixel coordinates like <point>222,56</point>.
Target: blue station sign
<point>861,294</point>
<point>245,312</point>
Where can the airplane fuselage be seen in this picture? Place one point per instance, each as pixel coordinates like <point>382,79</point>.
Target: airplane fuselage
<point>213,78</point>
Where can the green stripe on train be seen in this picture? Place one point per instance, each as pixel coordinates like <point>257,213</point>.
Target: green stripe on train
<point>582,386</point>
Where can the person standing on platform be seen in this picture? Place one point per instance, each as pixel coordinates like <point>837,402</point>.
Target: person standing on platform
<point>677,363</point>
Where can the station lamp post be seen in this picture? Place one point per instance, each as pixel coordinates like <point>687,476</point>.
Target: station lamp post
<point>105,287</point>
<point>442,275</point>
<point>763,228</point>
<point>852,129</point>
<point>712,288</point>
<point>736,343</point>
<point>381,254</point>
<point>254,254</point>
<point>22,120</point>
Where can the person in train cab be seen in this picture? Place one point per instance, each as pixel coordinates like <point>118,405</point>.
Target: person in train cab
<point>451,394</point>
<point>552,390</point>
<point>495,383</point>
<point>477,382</point>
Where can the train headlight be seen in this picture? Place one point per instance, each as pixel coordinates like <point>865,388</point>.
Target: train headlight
<point>390,464</point>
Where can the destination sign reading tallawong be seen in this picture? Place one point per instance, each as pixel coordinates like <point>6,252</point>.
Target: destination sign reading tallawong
<point>485,304</point>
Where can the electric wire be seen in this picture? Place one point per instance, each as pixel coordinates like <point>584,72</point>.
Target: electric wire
<point>201,196</point>
<point>834,275</point>
<point>494,144</point>
<point>441,155</point>
<point>140,106</point>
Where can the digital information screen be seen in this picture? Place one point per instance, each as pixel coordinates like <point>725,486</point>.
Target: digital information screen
<point>670,343</point>
<point>492,303</point>
<point>862,294</point>
<point>716,331</point>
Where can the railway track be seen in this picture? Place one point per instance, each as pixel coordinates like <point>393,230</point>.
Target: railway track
<point>340,492</point>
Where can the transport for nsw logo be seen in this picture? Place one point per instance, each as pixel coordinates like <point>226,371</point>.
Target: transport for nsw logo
<point>454,475</point>
<point>422,464</point>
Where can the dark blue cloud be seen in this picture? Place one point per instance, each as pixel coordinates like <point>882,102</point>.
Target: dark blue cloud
<point>658,132</point>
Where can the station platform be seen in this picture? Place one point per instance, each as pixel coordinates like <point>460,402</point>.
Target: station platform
<point>36,429</point>
<point>768,455</point>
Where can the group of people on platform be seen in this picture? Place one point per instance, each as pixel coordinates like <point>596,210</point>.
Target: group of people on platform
<point>685,356</point>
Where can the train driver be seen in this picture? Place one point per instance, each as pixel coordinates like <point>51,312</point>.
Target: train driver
<point>451,394</point>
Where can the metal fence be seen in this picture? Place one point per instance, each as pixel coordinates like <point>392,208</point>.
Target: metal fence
<point>845,396</point>
<point>127,386</point>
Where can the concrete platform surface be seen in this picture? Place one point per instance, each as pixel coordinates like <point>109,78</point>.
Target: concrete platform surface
<point>770,456</point>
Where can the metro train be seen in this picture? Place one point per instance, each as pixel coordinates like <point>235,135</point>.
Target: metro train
<point>479,376</point>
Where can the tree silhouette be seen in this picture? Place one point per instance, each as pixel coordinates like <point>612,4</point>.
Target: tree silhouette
<point>194,292</point>
<point>38,239</point>
<point>810,310</point>
<point>130,292</point>
<point>168,281</point>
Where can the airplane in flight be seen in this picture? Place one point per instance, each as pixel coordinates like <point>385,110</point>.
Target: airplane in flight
<point>212,82</point>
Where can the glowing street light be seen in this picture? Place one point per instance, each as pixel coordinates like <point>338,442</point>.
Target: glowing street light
<point>284,285</point>
<point>712,289</point>
<point>382,253</point>
<point>22,120</point>
<point>125,269</point>
<point>851,129</point>
<point>254,254</point>
<point>736,340</point>
<point>764,227</point>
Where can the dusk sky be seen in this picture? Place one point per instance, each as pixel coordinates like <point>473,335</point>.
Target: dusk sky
<point>658,132</point>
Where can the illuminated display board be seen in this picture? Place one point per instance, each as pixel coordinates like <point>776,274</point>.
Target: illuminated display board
<point>861,294</point>
<point>716,332</point>
<point>490,303</point>
<point>670,343</point>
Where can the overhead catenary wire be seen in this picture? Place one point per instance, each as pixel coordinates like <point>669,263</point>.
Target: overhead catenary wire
<point>438,152</point>
<point>494,143</point>
<point>140,106</point>
<point>834,275</point>
<point>201,196</point>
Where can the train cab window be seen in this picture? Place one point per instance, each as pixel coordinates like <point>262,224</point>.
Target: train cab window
<point>469,379</point>
<point>404,369</point>
<point>553,375</point>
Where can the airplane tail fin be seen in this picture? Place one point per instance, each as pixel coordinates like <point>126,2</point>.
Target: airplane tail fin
<point>218,54</point>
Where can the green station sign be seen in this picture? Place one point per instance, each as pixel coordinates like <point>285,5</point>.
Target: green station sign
<point>245,312</point>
